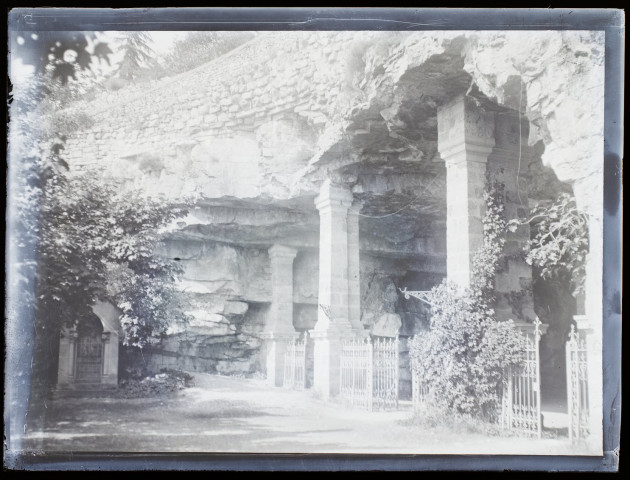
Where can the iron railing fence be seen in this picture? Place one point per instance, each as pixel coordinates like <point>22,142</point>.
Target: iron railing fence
<point>295,364</point>
<point>520,406</point>
<point>369,375</point>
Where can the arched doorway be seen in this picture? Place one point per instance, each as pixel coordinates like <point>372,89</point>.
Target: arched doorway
<point>89,356</point>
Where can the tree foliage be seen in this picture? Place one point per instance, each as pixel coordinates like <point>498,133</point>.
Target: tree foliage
<point>62,54</point>
<point>74,237</point>
<point>137,55</point>
<point>197,48</point>
<point>95,241</point>
<point>463,356</point>
<point>559,243</point>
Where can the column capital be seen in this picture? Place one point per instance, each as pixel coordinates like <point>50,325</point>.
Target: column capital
<point>333,196</point>
<point>465,131</point>
<point>466,151</point>
<point>282,251</point>
<point>355,208</point>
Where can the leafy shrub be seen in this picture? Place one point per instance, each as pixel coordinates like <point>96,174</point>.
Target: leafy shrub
<point>464,354</point>
<point>453,423</point>
<point>559,245</point>
<point>165,382</point>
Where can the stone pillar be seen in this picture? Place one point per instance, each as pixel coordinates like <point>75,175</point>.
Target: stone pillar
<point>589,197</point>
<point>67,357</point>
<point>333,323</point>
<point>465,139</point>
<point>279,331</point>
<point>354,275</point>
<point>594,312</point>
<point>110,359</point>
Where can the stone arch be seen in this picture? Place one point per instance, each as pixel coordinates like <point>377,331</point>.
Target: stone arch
<point>88,353</point>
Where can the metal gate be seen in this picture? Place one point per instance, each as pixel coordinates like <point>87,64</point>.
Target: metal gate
<point>356,372</point>
<point>89,351</point>
<point>369,373</point>
<point>295,364</point>
<point>520,410</point>
<point>419,390</point>
<point>577,385</point>
<point>385,373</point>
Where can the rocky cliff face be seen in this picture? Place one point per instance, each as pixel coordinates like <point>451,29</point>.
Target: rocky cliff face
<point>260,121</point>
<point>252,135</point>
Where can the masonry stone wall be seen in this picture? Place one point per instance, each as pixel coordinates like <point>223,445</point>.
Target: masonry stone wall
<point>315,82</point>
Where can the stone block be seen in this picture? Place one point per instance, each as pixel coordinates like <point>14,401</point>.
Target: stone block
<point>387,325</point>
<point>235,308</point>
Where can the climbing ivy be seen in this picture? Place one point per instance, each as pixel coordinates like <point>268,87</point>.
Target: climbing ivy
<point>463,356</point>
<point>559,244</point>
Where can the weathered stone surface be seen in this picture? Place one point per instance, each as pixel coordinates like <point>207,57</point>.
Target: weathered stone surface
<point>387,325</point>
<point>252,135</point>
<point>235,308</point>
<point>378,296</point>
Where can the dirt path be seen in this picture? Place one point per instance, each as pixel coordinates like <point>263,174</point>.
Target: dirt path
<point>223,414</point>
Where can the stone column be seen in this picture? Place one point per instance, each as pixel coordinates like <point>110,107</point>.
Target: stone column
<point>354,275</point>
<point>589,197</point>
<point>110,359</point>
<point>594,312</point>
<point>67,357</point>
<point>465,139</point>
<point>333,313</point>
<point>279,331</point>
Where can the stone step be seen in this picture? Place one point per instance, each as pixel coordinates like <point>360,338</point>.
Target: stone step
<point>555,419</point>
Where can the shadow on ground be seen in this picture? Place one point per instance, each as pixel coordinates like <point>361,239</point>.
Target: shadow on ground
<point>223,414</point>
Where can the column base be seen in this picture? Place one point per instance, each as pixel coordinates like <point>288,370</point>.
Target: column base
<point>594,382</point>
<point>327,361</point>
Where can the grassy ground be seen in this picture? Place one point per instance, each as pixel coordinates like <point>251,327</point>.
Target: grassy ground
<point>223,414</point>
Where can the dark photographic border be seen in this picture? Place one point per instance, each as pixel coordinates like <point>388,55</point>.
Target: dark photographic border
<point>608,20</point>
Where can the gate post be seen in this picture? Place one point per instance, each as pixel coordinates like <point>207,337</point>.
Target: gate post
<point>577,385</point>
<point>537,335</point>
<point>67,356</point>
